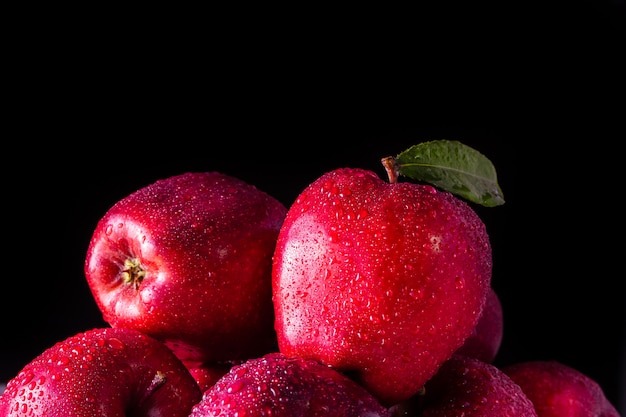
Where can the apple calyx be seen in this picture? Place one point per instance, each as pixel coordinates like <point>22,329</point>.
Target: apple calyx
<point>450,166</point>
<point>133,272</point>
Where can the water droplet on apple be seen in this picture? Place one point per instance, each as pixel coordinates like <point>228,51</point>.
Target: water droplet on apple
<point>115,344</point>
<point>236,386</point>
<point>239,371</point>
<point>374,319</point>
<point>417,294</point>
<point>332,188</point>
<point>363,213</point>
<point>26,377</point>
<point>459,283</point>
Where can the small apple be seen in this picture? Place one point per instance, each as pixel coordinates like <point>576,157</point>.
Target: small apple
<point>187,260</point>
<point>468,387</point>
<point>107,372</point>
<point>381,280</point>
<point>485,340</point>
<point>279,386</point>
<point>558,390</point>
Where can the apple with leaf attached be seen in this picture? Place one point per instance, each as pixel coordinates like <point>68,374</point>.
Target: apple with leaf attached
<point>386,280</point>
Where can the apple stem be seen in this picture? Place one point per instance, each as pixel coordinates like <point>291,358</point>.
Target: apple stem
<point>391,167</point>
<point>158,380</point>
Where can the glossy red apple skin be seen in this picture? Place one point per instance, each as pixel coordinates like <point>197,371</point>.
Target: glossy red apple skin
<point>558,390</point>
<point>102,372</point>
<point>383,281</point>
<point>468,387</point>
<point>485,340</point>
<point>204,242</point>
<point>279,386</point>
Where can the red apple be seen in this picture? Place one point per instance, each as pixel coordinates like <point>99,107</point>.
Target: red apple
<point>558,390</point>
<point>468,387</point>
<point>384,281</point>
<point>485,340</point>
<point>112,372</point>
<point>279,386</point>
<point>187,260</point>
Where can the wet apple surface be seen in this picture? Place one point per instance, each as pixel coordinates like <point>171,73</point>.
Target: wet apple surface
<point>540,320</point>
<point>382,280</point>
<point>187,260</point>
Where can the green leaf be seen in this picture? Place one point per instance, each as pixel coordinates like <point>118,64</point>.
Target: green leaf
<point>454,167</point>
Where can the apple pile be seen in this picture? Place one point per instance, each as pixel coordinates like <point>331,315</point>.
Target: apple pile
<point>364,297</point>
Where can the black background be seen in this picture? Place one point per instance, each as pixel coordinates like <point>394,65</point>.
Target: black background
<point>538,89</point>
